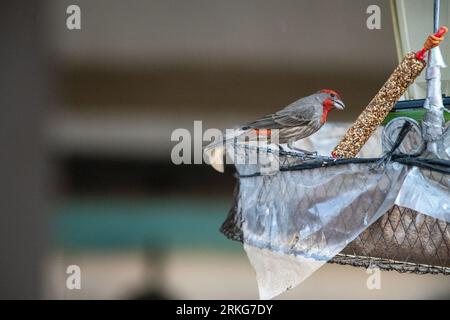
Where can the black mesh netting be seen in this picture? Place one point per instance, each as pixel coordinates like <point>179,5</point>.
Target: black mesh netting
<point>403,240</point>
<point>347,210</point>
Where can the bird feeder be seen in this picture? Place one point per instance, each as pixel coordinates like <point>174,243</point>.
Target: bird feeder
<point>391,212</point>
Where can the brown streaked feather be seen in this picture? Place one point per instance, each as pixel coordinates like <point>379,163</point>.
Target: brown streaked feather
<point>298,113</point>
<point>296,121</point>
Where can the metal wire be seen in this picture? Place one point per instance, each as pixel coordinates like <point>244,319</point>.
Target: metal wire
<point>402,239</point>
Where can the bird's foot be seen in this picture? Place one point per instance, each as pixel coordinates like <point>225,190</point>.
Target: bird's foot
<point>306,152</point>
<point>282,149</point>
<point>302,151</point>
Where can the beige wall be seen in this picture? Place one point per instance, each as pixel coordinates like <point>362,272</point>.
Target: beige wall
<point>215,275</point>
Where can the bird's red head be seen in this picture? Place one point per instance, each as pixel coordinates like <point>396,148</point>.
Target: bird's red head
<point>330,92</point>
<point>330,100</point>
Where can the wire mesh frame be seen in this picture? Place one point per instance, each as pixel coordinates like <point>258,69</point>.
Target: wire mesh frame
<point>396,239</point>
<point>402,239</point>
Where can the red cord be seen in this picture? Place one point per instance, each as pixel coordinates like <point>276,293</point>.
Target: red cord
<point>420,55</point>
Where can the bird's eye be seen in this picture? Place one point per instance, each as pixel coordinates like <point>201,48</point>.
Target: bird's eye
<point>333,95</point>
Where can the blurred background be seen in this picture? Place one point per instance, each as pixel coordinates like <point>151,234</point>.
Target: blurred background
<point>86,120</point>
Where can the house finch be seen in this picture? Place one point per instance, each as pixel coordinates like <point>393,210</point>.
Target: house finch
<point>298,120</point>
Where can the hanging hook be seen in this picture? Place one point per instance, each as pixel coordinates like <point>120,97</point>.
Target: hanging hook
<point>432,41</point>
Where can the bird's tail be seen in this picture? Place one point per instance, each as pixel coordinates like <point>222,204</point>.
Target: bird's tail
<point>215,152</point>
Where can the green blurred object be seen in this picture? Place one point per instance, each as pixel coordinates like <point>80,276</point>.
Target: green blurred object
<point>416,114</point>
<point>414,110</point>
<point>120,224</point>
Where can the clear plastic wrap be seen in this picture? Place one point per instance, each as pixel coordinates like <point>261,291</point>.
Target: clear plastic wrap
<point>294,221</point>
<point>433,120</point>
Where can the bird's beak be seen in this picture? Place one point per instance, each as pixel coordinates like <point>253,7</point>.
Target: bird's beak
<point>338,104</point>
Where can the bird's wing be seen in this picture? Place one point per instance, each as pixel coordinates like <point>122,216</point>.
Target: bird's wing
<point>294,115</point>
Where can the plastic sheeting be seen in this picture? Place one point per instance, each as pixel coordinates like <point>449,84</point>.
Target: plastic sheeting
<point>293,222</point>
<point>433,121</point>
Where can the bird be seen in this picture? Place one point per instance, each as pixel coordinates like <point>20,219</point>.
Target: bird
<point>297,121</point>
